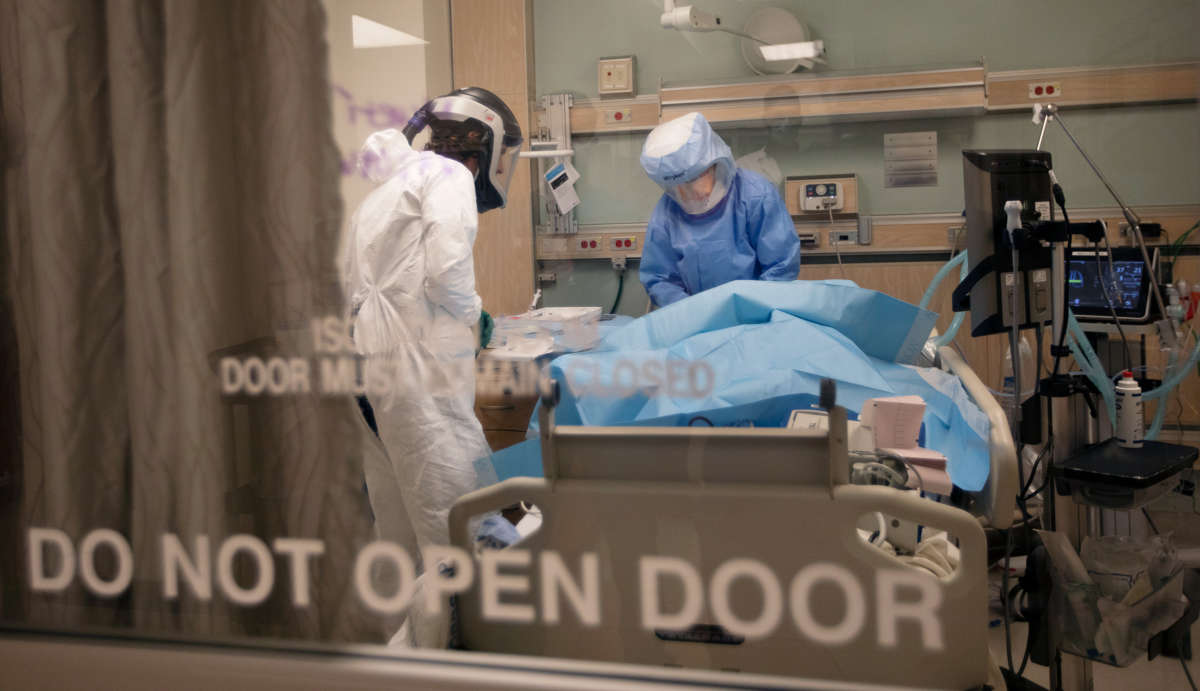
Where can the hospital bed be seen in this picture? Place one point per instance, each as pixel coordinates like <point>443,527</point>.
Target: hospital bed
<point>777,497</point>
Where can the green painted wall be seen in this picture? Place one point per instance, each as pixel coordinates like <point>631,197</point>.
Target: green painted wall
<point>1151,154</point>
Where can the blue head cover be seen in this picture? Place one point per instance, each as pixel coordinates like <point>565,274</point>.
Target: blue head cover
<point>680,150</point>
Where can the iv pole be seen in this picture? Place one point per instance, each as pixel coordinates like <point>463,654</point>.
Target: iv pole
<point>1076,671</point>
<point>1050,112</point>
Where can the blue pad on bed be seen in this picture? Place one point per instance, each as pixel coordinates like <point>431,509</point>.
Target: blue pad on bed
<point>750,352</point>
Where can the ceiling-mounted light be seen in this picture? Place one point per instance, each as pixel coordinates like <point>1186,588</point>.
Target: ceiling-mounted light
<point>788,49</point>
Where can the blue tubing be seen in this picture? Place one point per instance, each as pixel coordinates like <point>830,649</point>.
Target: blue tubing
<point>1173,380</point>
<point>940,275</point>
<point>945,338</point>
<point>1088,362</point>
<point>1161,414</point>
<point>952,331</point>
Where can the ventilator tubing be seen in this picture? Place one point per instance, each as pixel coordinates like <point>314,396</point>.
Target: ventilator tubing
<point>1161,413</point>
<point>1086,357</point>
<point>939,276</point>
<point>1080,348</point>
<point>952,331</point>
<point>1170,381</point>
<point>1175,379</point>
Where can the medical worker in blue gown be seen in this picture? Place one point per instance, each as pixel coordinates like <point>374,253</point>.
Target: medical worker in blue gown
<point>716,222</point>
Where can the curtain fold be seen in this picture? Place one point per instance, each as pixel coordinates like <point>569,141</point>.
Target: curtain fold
<point>171,198</point>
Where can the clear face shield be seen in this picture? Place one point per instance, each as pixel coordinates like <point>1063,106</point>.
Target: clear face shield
<point>702,193</point>
<point>504,166</point>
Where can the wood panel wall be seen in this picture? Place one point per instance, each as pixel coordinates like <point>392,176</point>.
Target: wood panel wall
<point>492,47</point>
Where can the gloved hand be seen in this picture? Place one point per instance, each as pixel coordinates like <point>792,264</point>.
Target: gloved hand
<point>486,325</point>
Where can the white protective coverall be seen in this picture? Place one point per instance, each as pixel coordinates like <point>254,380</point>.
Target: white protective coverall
<point>408,265</point>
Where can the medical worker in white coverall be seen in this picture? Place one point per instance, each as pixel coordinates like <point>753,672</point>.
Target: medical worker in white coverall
<point>411,282</point>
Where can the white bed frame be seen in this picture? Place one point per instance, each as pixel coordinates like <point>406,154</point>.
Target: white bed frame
<point>709,495</point>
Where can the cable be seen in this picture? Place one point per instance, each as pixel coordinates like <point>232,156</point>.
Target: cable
<point>1179,415</point>
<point>1004,598</point>
<point>1150,520</point>
<point>1047,449</point>
<point>1037,335</point>
<point>1135,226</point>
<point>700,417</point>
<point>1039,490</point>
<point>920,480</point>
<point>1108,300</point>
<point>872,470</point>
<point>1191,681</point>
<point>1025,657</point>
<point>1057,192</point>
<point>620,289</point>
<point>908,465</point>
<point>1014,341</point>
<point>1062,337</point>
<point>1177,247</point>
<point>833,235</point>
<point>740,34</point>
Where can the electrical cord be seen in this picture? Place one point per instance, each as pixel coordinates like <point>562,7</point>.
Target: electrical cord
<point>1191,682</point>
<point>1177,247</point>
<point>1004,600</point>
<point>1015,350</point>
<point>1135,223</point>
<point>1150,521</point>
<point>1037,334</point>
<point>871,470</point>
<point>909,466</point>
<point>620,289</point>
<point>1108,300</point>
<point>1061,198</point>
<point>1179,415</point>
<point>837,250</point>
<point>1033,468</point>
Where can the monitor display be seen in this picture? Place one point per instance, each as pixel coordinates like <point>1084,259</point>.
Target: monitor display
<point>1090,273</point>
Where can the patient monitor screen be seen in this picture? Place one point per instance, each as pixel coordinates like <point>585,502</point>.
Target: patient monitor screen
<point>1090,276</point>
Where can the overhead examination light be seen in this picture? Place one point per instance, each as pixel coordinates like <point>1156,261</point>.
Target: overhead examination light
<point>773,40</point>
<point>792,51</point>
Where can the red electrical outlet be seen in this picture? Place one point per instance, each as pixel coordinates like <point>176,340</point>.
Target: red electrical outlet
<point>1044,91</point>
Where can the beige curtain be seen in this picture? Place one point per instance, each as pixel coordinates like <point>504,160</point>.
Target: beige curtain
<point>170,197</point>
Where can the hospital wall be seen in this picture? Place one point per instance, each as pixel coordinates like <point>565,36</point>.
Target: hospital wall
<point>1150,153</point>
<point>381,87</point>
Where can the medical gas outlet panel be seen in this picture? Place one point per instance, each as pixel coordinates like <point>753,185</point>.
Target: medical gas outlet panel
<point>821,196</point>
<point>811,197</point>
<point>825,210</point>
